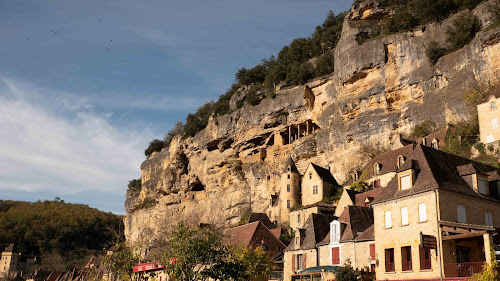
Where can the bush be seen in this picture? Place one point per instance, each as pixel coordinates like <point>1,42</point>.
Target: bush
<point>346,273</point>
<point>462,31</point>
<point>134,185</point>
<point>325,64</point>
<point>300,74</point>
<point>177,130</point>
<point>252,96</point>
<point>434,52</point>
<point>155,145</point>
<point>423,129</point>
<point>403,20</point>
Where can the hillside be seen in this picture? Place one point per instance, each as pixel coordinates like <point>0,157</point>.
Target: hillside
<point>383,84</point>
<point>53,229</point>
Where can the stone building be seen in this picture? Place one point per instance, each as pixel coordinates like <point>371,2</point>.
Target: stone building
<point>14,264</point>
<point>351,239</point>
<point>488,115</point>
<point>296,190</point>
<point>436,218</point>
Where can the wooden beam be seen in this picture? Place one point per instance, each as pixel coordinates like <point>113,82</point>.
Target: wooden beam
<point>464,235</point>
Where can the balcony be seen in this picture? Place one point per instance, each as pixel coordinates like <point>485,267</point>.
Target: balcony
<point>464,269</point>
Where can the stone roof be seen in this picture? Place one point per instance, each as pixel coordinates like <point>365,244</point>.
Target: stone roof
<point>321,205</point>
<point>254,234</point>
<point>439,135</point>
<point>316,228</point>
<point>356,219</point>
<point>289,162</point>
<point>387,161</point>
<point>371,195</point>
<point>325,174</point>
<point>261,217</point>
<point>437,170</point>
<point>9,249</point>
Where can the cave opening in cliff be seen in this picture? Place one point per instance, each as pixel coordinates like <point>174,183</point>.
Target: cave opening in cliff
<point>297,131</point>
<point>198,187</point>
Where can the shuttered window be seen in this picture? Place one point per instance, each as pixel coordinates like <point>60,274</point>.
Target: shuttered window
<point>335,256</point>
<point>388,223</point>
<point>482,185</point>
<point>405,181</point>
<point>488,218</point>
<point>494,123</point>
<point>422,212</point>
<point>372,251</point>
<point>404,216</point>
<point>461,214</point>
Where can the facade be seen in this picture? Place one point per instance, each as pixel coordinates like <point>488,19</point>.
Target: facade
<point>489,114</point>
<point>302,252</point>
<point>316,184</point>
<point>436,218</point>
<point>299,216</point>
<point>14,264</point>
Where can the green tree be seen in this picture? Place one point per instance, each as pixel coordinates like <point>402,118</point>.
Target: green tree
<point>253,264</point>
<point>434,52</point>
<point>122,261</point>
<point>346,273</point>
<point>462,31</point>
<point>155,145</point>
<point>491,271</point>
<point>177,130</point>
<point>134,185</point>
<point>326,64</point>
<point>423,129</point>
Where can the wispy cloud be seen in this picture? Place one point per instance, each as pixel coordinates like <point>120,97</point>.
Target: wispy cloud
<point>78,151</point>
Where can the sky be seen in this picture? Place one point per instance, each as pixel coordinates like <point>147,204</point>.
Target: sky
<point>86,85</point>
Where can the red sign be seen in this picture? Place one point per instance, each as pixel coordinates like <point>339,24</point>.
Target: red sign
<point>151,266</point>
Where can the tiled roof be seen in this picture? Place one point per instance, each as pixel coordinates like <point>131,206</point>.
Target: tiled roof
<point>437,170</point>
<point>325,174</point>
<point>321,205</point>
<point>261,217</point>
<point>371,195</point>
<point>290,162</point>
<point>368,234</point>
<point>9,249</point>
<point>439,135</point>
<point>357,220</point>
<point>316,228</point>
<point>254,234</point>
<point>241,234</point>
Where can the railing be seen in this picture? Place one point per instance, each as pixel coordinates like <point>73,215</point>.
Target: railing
<point>464,269</point>
<point>276,275</point>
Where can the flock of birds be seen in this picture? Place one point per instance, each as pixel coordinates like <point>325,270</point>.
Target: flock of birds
<point>57,32</point>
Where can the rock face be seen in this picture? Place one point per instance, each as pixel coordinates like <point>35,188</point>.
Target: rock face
<point>380,88</point>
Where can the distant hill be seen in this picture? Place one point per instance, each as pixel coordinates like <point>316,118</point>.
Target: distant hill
<point>55,228</point>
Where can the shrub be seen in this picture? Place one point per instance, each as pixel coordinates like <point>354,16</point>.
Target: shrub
<point>346,273</point>
<point>325,64</point>
<point>155,145</point>
<point>147,203</point>
<point>423,129</point>
<point>134,185</point>
<point>462,31</point>
<point>252,96</point>
<point>359,186</point>
<point>403,20</point>
<point>434,52</point>
<point>177,130</point>
<point>300,74</point>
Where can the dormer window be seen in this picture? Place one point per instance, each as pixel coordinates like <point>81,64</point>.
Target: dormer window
<point>482,185</point>
<point>376,169</point>
<point>435,144</point>
<point>401,161</point>
<point>405,180</point>
<point>424,141</point>
<point>335,232</point>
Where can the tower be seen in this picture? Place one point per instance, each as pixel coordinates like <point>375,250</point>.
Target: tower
<point>290,189</point>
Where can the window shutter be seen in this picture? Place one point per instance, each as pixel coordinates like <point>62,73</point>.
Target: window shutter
<point>404,216</point>
<point>372,251</point>
<point>388,219</point>
<point>304,261</point>
<point>461,214</point>
<point>422,212</point>
<point>293,262</point>
<point>335,256</point>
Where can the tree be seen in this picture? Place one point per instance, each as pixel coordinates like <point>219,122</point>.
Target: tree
<point>346,273</point>
<point>462,31</point>
<point>325,64</point>
<point>253,264</point>
<point>155,145</point>
<point>434,52</point>
<point>122,261</point>
<point>491,271</point>
<point>134,185</point>
<point>423,129</point>
<point>177,130</point>
<point>191,253</point>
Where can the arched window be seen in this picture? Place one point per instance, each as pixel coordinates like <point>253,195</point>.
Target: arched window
<point>435,144</point>
<point>401,161</point>
<point>376,169</point>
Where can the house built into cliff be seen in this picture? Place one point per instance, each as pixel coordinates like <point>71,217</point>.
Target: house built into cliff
<point>489,114</point>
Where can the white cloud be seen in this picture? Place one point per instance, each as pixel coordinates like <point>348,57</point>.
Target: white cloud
<point>77,151</point>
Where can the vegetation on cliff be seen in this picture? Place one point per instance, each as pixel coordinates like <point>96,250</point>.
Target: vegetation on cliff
<point>57,231</point>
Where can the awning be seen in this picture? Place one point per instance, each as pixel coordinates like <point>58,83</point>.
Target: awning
<point>319,269</point>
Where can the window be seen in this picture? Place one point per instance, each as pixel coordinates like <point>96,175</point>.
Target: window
<point>310,175</point>
<point>492,104</point>
<point>288,176</point>
<point>355,177</point>
<point>404,216</point>
<point>335,232</point>
<point>289,168</point>
<point>489,139</point>
<point>389,260</point>
<point>406,258</point>
<point>372,251</point>
<point>401,161</point>
<point>405,181</point>
<point>488,218</point>
<point>372,267</point>
<point>376,169</point>
<point>482,186</point>
<point>461,214</point>
<point>335,255</point>
<point>376,184</point>
<point>301,260</point>
<point>298,218</point>
<point>288,203</point>
<point>425,258</point>
<point>315,189</point>
<point>435,144</point>
<point>271,201</point>
<point>388,219</point>
<point>288,188</point>
<point>422,212</point>
<point>494,123</point>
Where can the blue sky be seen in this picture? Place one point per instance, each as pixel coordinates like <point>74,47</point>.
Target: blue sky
<point>85,85</point>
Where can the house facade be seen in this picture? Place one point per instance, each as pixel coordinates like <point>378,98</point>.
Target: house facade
<point>489,115</point>
<point>436,218</point>
<point>13,264</point>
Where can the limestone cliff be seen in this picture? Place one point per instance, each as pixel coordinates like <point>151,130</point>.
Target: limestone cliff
<point>380,88</point>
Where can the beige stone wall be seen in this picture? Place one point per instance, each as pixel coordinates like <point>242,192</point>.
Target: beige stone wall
<point>310,179</point>
<point>292,179</point>
<point>475,207</point>
<point>486,114</point>
<point>400,236</point>
<point>325,255</point>
<point>384,179</point>
<point>311,260</point>
<point>304,215</point>
<point>8,263</point>
<point>343,202</point>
